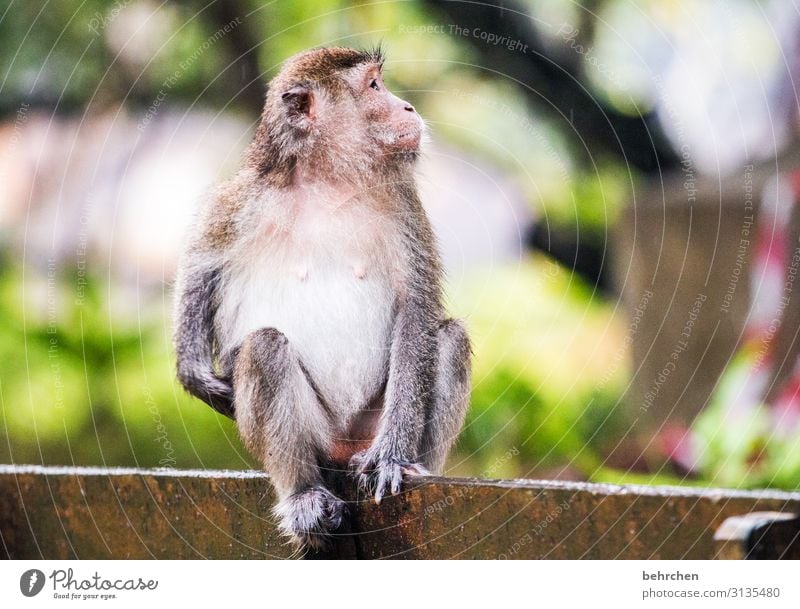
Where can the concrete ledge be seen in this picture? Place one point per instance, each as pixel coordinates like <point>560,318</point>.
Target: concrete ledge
<point>63,513</point>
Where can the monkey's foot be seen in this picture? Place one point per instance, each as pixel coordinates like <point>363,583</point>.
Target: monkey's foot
<point>308,517</point>
<point>381,475</point>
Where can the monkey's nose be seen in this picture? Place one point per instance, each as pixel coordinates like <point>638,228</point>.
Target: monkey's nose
<point>409,107</point>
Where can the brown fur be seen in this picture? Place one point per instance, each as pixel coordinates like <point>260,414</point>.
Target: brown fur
<point>332,363</point>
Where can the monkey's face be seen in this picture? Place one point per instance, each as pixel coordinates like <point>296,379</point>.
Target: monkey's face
<point>331,109</point>
<point>391,123</point>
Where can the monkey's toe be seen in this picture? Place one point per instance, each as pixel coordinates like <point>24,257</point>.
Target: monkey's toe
<point>309,517</point>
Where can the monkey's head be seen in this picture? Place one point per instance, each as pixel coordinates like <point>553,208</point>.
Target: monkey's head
<point>330,109</point>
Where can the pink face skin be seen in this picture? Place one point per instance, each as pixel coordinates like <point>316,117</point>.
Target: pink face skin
<point>392,122</point>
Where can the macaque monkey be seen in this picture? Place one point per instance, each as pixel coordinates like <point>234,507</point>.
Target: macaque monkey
<point>309,303</point>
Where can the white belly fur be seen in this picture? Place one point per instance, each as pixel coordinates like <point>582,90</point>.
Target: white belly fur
<point>329,290</point>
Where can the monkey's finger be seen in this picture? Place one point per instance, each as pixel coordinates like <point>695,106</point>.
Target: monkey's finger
<point>397,478</point>
<point>380,487</point>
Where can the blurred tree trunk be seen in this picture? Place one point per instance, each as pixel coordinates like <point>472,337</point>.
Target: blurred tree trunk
<point>558,87</point>
<point>244,74</point>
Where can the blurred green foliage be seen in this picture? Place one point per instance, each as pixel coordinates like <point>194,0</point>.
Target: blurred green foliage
<point>79,385</point>
<point>744,447</point>
<point>545,381</point>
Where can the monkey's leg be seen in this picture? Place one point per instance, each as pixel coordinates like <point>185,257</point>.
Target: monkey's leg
<point>283,423</point>
<point>449,407</point>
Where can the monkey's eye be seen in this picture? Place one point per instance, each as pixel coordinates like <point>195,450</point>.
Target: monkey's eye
<point>374,84</point>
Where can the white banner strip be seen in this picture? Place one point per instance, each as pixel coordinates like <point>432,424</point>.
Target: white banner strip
<point>406,584</point>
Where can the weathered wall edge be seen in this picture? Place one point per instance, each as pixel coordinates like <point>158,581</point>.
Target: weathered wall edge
<point>75,512</point>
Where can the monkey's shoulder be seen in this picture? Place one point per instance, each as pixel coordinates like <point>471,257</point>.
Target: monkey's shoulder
<point>221,220</point>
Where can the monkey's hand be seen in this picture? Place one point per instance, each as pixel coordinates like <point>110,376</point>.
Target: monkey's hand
<point>215,391</point>
<point>379,474</point>
<point>219,395</point>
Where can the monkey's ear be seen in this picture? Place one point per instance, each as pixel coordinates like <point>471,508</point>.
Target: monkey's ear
<point>300,106</point>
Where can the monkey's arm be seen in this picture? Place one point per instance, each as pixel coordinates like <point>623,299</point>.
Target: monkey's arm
<point>194,337</point>
<point>412,363</point>
<point>409,391</point>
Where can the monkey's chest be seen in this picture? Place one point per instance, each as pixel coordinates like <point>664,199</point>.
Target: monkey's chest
<point>335,304</point>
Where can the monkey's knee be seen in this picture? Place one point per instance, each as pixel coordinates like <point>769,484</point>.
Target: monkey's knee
<point>262,365</point>
<point>452,395</point>
<point>453,373</point>
<point>265,347</point>
<point>455,333</point>
<point>455,350</point>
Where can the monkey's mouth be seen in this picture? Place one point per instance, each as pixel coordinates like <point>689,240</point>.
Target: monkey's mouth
<point>408,139</point>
